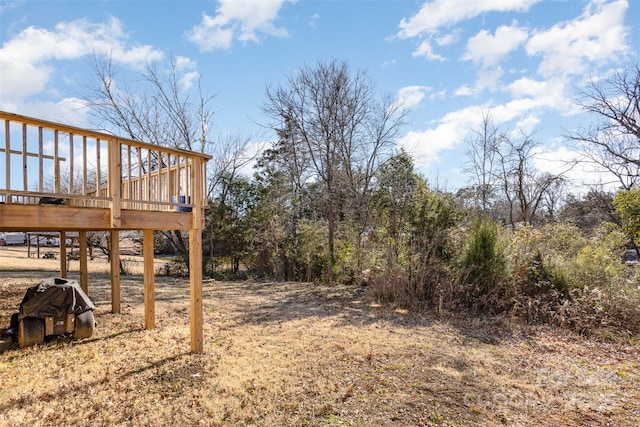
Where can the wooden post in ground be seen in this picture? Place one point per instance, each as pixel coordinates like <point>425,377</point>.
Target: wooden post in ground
<point>195,256</point>
<point>63,254</point>
<point>195,285</point>
<point>115,271</point>
<point>84,274</point>
<point>149,295</point>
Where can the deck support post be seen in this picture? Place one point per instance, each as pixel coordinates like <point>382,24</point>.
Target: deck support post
<point>84,274</point>
<point>63,254</point>
<point>115,271</point>
<point>195,285</point>
<point>195,256</point>
<point>149,283</point>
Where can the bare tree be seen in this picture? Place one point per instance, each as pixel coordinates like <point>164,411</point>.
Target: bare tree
<point>614,143</point>
<point>523,186</point>
<point>335,118</point>
<point>553,197</point>
<point>590,210</point>
<point>158,110</point>
<point>482,162</point>
<point>233,156</point>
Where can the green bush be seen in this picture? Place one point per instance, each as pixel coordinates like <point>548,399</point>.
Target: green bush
<point>598,263</point>
<point>543,277</point>
<point>483,258</point>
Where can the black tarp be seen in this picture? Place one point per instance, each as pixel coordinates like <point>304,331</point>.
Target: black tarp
<point>55,297</point>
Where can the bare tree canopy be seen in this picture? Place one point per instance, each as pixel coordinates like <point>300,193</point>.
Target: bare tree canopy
<point>482,162</point>
<point>524,186</point>
<point>614,143</point>
<point>159,110</point>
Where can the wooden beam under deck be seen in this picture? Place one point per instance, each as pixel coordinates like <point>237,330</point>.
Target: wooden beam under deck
<point>17,217</point>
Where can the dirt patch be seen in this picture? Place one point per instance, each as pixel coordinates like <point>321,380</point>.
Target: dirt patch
<point>305,354</point>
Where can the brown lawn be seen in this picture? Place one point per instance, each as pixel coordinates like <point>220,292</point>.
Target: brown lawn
<point>299,354</point>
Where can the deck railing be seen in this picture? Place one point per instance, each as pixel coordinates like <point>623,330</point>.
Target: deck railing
<point>46,162</point>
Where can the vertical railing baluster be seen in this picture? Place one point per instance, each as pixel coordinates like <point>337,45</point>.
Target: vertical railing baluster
<point>158,183</point>
<point>25,183</point>
<point>205,189</point>
<point>165,182</point>
<point>170,191</point>
<point>7,156</point>
<point>71,187</point>
<point>84,166</point>
<point>56,166</point>
<point>140,183</point>
<point>40,160</point>
<point>129,188</point>
<point>98,169</point>
<point>181,186</point>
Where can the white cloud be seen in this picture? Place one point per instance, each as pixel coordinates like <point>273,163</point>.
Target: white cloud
<point>26,60</point>
<point>188,80</point>
<point>426,50</point>
<point>241,20</point>
<point>551,93</point>
<point>135,57</point>
<point>463,90</point>
<point>7,5</point>
<point>184,63</point>
<point>488,79</point>
<point>442,13</point>
<point>434,15</point>
<point>448,39</point>
<point>187,69</point>
<point>527,124</point>
<point>441,94</point>
<point>558,158</point>
<point>488,50</point>
<point>513,110</point>
<point>313,21</point>
<point>597,35</point>
<point>411,96</point>
<point>564,161</point>
<point>389,63</point>
<point>452,129</point>
<point>71,111</point>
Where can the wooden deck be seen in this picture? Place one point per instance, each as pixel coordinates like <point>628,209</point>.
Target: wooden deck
<point>55,177</point>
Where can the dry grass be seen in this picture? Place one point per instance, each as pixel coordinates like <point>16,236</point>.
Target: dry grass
<point>307,355</point>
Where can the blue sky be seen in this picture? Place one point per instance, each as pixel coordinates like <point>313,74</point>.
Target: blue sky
<point>448,61</point>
